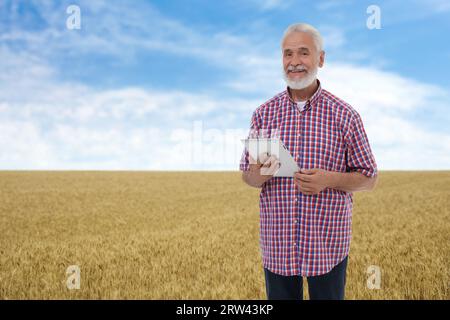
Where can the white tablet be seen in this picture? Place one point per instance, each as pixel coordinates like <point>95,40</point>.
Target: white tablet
<point>257,146</point>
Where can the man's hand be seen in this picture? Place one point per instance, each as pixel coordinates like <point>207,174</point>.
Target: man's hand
<point>260,172</point>
<point>311,181</point>
<point>268,165</point>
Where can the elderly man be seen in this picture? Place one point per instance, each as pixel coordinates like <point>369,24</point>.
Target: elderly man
<point>305,220</point>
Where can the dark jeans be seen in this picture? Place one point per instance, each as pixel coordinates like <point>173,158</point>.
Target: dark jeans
<point>329,286</point>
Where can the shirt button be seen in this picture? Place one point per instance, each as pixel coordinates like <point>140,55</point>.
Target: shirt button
<point>295,244</point>
<point>295,221</point>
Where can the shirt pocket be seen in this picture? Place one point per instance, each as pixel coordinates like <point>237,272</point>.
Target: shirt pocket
<point>326,149</point>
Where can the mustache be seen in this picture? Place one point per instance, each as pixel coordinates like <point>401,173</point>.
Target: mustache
<point>297,68</point>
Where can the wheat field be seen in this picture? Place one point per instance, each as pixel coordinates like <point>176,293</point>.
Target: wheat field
<point>194,235</point>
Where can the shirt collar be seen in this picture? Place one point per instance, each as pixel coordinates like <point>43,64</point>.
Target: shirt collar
<point>311,101</point>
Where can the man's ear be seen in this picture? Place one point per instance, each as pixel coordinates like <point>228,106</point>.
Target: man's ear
<point>321,58</point>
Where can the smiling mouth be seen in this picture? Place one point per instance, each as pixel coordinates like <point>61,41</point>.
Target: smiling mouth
<point>297,74</point>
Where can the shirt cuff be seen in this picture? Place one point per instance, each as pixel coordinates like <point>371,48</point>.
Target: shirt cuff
<point>370,173</point>
<point>245,166</point>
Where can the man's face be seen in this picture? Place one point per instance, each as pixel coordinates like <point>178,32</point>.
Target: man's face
<point>300,59</point>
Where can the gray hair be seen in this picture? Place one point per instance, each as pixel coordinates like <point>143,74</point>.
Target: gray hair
<point>306,28</point>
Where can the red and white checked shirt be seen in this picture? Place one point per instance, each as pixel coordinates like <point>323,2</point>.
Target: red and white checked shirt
<point>310,234</point>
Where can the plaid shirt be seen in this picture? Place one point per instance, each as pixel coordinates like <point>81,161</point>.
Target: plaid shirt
<point>310,234</point>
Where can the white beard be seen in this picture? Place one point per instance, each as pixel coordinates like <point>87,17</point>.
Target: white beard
<point>301,83</point>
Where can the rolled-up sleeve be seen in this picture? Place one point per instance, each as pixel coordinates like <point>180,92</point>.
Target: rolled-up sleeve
<point>359,154</point>
<point>253,133</point>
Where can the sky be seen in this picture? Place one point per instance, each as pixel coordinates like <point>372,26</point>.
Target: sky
<point>172,85</point>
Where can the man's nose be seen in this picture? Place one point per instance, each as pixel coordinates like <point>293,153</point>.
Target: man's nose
<point>296,61</point>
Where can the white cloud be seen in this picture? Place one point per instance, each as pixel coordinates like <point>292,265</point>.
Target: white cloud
<point>49,124</point>
<point>23,146</point>
<point>386,101</point>
<point>370,88</point>
<point>82,128</point>
<point>274,4</point>
<point>326,5</point>
<point>332,37</point>
<point>121,30</point>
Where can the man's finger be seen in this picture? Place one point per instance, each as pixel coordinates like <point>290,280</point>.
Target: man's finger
<point>303,177</point>
<point>303,180</point>
<point>307,191</point>
<point>305,188</point>
<point>269,161</point>
<point>263,157</point>
<point>275,166</point>
<point>305,185</point>
<point>271,169</point>
<point>251,160</point>
<point>308,171</point>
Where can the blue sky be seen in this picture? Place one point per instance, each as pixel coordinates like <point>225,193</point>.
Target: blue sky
<point>171,85</point>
